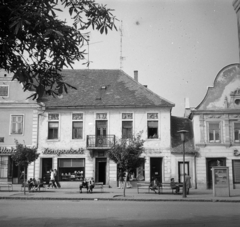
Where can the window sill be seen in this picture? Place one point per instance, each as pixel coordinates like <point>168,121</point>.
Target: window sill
<point>153,138</point>
<point>52,140</point>
<point>213,145</point>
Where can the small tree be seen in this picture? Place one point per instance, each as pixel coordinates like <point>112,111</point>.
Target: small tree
<point>126,154</point>
<point>24,156</point>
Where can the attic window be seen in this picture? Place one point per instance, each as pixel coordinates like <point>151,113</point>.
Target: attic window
<point>4,90</point>
<point>98,98</point>
<point>237,101</point>
<point>103,87</point>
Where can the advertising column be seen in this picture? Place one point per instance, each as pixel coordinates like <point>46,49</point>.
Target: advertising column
<point>220,176</point>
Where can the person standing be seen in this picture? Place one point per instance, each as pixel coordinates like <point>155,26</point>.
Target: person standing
<point>52,181</point>
<point>128,180</point>
<point>56,178</point>
<point>120,178</point>
<point>188,183</point>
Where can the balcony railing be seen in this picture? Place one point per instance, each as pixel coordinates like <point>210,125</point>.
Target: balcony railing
<point>102,142</point>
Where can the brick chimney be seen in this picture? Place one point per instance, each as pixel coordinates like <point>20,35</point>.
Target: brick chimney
<point>236,6</point>
<point>136,75</point>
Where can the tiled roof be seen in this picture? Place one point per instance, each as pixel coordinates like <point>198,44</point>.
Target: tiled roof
<point>104,88</point>
<point>177,124</point>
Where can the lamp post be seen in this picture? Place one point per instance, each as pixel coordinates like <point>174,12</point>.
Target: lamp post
<point>182,134</point>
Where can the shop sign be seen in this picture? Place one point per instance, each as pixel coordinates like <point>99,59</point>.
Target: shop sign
<point>5,150</point>
<point>63,151</point>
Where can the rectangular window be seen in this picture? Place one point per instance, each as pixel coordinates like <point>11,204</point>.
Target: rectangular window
<point>53,126</point>
<point>237,132</point>
<point>214,132</point>
<point>236,171</point>
<point>152,129</point>
<point>16,124</point>
<point>127,129</point>
<point>77,126</point>
<point>77,130</point>
<point>3,166</point>
<point>4,90</point>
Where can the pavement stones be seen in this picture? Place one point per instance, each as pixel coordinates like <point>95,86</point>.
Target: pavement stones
<point>115,194</point>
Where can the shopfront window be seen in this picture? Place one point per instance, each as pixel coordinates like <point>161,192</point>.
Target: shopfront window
<point>71,169</point>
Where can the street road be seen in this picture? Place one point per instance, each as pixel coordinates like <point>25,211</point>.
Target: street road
<point>50,213</point>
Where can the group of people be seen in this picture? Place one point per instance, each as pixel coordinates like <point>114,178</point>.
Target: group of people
<point>34,185</point>
<point>54,179</point>
<point>88,184</point>
<point>155,184</point>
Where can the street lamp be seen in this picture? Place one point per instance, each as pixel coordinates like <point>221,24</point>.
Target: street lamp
<point>182,133</point>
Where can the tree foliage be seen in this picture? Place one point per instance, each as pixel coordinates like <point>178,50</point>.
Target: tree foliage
<point>126,153</point>
<point>24,155</point>
<point>35,44</point>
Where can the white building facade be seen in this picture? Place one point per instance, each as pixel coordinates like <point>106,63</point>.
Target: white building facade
<point>77,129</point>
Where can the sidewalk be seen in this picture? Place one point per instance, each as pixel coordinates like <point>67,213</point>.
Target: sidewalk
<point>115,194</point>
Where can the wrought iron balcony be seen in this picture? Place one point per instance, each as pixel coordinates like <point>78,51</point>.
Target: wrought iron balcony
<point>100,142</point>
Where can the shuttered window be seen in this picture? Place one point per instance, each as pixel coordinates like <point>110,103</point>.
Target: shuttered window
<point>71,162</point>
<point>127,129</point>
<point>236,171</point>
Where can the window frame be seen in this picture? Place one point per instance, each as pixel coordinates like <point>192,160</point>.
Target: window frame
<point>153,117</point>
<point>4,85</point>
<point>129,117</point>
<point>54,121</point>
<point>214,141</point>
<point>75,121</point>
<point>234,138</point>
<point>11,124</point>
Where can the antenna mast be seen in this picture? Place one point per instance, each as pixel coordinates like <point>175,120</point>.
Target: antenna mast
<point>121,57</point>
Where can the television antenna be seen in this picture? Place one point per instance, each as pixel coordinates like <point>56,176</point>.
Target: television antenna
<point>121,38</point>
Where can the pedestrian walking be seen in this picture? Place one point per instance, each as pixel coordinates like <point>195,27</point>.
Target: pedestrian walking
<point>52,180</point>
<point>56,178</point>
<point>187,183</point>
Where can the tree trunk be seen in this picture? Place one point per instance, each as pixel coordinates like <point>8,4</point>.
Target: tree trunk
<point>125,183</point>
<point>24,180</point>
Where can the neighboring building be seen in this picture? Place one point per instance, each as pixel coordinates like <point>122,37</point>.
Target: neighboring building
<point>76,129</point>
<point>216,124</point>
<point>18,121</point>
<point>177,124</point>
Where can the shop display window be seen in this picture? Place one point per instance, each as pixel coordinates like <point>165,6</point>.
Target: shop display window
<point>71,169</point>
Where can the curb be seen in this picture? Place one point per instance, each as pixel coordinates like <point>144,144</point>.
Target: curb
<point>120,199</point>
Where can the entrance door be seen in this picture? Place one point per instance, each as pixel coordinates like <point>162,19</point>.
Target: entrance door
<point>156,169</point>
<point>101,132</point>
<point>210,162</point>
<point>46,166</point>
<point>101,166</point>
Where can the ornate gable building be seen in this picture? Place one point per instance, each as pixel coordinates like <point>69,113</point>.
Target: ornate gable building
<point>76,129</point>
<point>216,124</point>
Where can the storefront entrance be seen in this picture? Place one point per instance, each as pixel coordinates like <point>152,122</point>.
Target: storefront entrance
<point>46,166</point>
<point>156,169</point>
<point>210,162</point>
<point>101,166</point>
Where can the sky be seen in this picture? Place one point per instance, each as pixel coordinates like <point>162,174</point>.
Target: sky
<point>177,46</point>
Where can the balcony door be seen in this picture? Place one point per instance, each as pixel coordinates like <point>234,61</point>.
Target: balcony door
<point>101,133</point>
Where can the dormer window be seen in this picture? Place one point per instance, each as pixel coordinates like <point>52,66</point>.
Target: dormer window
<point>3,90</point>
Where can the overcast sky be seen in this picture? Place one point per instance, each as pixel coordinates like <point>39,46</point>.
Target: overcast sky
<point>177,46</point>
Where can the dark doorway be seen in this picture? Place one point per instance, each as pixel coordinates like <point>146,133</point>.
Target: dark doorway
<point>156,169</point>
<point>210,162</point>
<point>46,166</point>
<point>101,164</point>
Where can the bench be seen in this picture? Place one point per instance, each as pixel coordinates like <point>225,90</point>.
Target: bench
<point>26,186</point>
<point>167,186</point>
<point>98,185</point>
<point>6,185</point>
<point>145,186</point>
